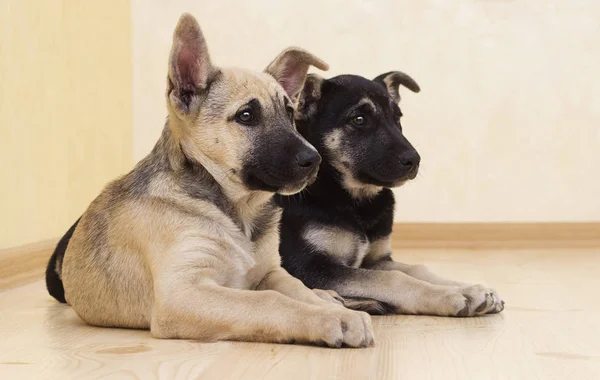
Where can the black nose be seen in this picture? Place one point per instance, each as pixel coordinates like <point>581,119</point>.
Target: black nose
<point>308,158</point>
<point>410,159</point>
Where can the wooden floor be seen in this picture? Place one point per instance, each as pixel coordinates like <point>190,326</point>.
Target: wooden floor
<point>549,330</point>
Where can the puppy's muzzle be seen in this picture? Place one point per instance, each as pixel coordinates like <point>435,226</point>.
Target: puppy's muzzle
<point>308,161</point>
<point>410,163</point>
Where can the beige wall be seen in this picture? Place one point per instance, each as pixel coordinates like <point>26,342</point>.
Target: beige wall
<point>65,111</point>
<point>508,122</point>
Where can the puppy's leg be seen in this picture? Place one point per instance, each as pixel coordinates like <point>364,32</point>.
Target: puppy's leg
<point>330,296</point>
<point>380,258</point>
<point>421,272</point>
<point>281,281</point>
<point>209,312</point>
<point>405,294</point>
<point>418,271</point>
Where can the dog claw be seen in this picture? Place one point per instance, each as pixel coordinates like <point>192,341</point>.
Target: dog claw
<point>482,306</point>
<point>465,311</point>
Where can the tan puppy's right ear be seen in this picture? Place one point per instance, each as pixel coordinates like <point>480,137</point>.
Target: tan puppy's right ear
<point>309,97</point>
<point>190,68</point>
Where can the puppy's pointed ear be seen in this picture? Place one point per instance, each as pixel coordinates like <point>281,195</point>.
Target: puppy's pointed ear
<point>393,80</point>
<point>290,69</point>
<point>190,68</point>
<point>309,97</point>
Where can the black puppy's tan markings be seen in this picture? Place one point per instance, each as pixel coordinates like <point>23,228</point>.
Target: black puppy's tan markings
<point>336,235</point>
<point>182,243</point>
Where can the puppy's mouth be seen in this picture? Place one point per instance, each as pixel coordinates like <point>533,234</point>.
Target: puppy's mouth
<point>374,179</point>
<point>263,180</point>
<point>298,187</point>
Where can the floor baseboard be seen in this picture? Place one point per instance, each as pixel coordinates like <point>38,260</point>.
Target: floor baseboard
<point>24,264</point>
<point>496,235</point>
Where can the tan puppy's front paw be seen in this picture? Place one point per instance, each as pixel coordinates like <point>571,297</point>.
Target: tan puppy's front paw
<point>337,327</point>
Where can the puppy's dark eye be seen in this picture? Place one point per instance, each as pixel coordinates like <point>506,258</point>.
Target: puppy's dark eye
<point>358,120</point>
<point>245,116</point>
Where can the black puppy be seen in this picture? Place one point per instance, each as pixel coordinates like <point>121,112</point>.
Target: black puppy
<point>336,234</point>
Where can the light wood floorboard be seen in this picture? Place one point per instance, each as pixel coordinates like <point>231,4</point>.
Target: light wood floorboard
<point>549,330</point>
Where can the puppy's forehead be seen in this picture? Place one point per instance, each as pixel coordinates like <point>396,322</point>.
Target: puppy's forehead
<point>251,84</point>
<point>366,102</point>
<point>357,89</point>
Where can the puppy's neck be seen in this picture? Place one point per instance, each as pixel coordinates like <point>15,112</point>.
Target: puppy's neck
<point>246,204</point>
<point>332,180</point>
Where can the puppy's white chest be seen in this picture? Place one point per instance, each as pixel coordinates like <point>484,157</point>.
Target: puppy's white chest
<point>362,248</point>
<point>345,246</point>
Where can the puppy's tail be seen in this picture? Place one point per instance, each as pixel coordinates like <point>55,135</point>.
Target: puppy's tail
<point>54,269</point>
<point>368,305</point>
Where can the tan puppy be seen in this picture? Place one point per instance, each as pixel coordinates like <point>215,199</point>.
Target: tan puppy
<point>186,244</point>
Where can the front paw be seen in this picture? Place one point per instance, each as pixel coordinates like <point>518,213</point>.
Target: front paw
<point>498,303</point>
<point>473,300</point>
<point>337,327</point>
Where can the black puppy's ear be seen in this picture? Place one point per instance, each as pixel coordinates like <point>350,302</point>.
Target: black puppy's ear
<point>189,65</point>
<point>290,68</point>
<point>392,81</point>
<point>309,97</point>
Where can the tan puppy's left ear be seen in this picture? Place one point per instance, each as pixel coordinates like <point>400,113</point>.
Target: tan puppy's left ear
<point>190,68</point>
<point>392,81</point>
<point>290,69</point>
